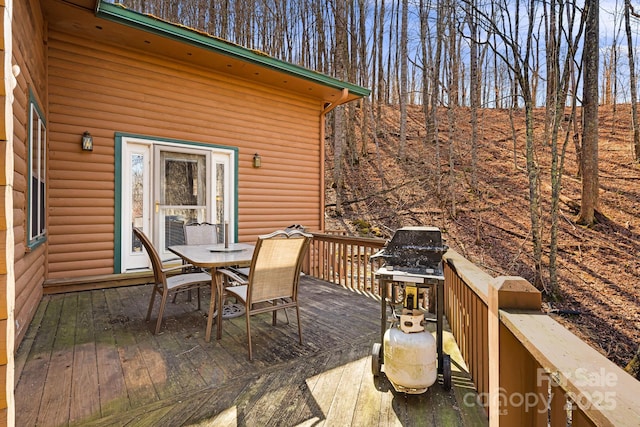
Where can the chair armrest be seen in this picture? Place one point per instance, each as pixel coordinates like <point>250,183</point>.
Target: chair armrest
<point>177,267</point>
<point>234,275</point>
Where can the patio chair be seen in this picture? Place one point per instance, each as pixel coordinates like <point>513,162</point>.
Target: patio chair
<point>273,279</point>
<point>165,283</point>
<point>198,233</point>
<point>202,233</point>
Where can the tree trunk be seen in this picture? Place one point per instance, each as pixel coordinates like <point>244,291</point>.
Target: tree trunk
<point>454,57</point>
<point>552,70</point>
<point>590,184</point>
<point>432,132</point>
<point>381,74</point>
<point>391,72</point>
<point>563,82</point>
<point>474,101</point>
<point>427,66</point>
<point>403,81</point>
<point>364,75</point>
<point>534,191</point>
<point>339,133</point>
<point>474,95</point>
<point>632,81</point>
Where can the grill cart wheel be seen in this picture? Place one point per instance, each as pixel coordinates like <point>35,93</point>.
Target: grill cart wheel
<point>446,372</point>
<point>376,354</point>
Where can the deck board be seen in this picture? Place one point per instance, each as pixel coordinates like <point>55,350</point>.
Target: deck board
<point>56,396</point>
<point>102,366</point>
<point>85,366</point>
<point>113,389</point>
<point>138,381</point>
<point>35,360</point>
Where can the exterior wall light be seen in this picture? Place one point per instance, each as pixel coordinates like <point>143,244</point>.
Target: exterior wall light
<point>257,161</point>
<point>87,141</point>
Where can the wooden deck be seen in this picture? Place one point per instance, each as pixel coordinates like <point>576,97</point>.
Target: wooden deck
<point>90,359</point>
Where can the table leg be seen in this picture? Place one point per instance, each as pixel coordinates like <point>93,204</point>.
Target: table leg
<point>212,304</point>
<point>220,293</point>
<point>439,318</point>
<point>383,316</point>
<point>216,302</point>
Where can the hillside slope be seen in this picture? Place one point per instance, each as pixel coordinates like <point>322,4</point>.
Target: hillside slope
<point>599,267</point>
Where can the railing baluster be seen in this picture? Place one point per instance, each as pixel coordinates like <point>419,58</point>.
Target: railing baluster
<point>345,260</point>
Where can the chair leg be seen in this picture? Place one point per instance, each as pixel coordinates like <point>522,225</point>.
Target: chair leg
<point>249,334</point>
<point>286,314</point>
<point>299,326</point>
<point>165,295</point>
<point>275,313</point>
<point>175,296</point>
<point>153,299</point>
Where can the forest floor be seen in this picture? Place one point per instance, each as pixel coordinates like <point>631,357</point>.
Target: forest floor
<point>598,267</point>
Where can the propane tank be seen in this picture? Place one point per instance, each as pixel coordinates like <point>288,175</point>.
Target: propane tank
<point>410,355</point>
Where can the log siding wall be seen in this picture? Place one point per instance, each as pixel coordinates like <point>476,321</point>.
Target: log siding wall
<point>107,89</point>
<point>30,55</point>
<point>7,280</point>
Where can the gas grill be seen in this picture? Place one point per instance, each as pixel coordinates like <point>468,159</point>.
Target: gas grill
<point>412,264</point>
<point>414,250</point>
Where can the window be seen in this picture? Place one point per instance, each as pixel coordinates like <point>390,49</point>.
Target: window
<point>37,176</point>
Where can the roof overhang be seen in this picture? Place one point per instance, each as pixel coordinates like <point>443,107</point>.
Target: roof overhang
<point>116,25</point>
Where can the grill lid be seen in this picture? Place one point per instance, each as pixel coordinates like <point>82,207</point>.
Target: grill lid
<point>416,250</point>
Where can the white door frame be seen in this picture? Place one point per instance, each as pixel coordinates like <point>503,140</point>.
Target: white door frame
<point>142,150</point>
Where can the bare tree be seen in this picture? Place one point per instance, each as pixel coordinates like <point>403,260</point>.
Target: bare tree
<point>474,103</point>
<point>552,53</point>
<point>474,88</point>
<point>391,72</point>
<point>518,60</point>
<point>425,43</point>
<point>436,64</point>
<point>590,182</point>
<point>628,10</point>
<point>454,63</point>
<point>403,80</point>
<point>380,43</point>
<point>352,75</point>
<point>563,72</point>
<point>453,99</point>
<point>614,76</point>
<point>364,72</point>
<point>339,118</point>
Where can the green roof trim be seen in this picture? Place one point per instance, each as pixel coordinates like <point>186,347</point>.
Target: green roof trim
<point>122,15</point>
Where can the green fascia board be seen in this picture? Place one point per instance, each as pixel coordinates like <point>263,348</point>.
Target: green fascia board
<point>120,14</point>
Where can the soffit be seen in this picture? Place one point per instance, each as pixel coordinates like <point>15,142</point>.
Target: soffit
<point>189,46</point>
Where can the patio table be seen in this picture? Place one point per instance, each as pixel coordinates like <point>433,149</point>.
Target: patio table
<point>214,257</point>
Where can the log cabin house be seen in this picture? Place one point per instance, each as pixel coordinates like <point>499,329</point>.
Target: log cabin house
<point>159,101</point>
<point>158,105</point>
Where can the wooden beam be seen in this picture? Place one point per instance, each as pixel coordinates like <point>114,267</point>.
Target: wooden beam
<point>86,283</point>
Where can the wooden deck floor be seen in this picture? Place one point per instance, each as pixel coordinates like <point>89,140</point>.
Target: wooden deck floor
<point>90,359</point>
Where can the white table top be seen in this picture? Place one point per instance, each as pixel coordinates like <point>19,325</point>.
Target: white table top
<point>213,256</point>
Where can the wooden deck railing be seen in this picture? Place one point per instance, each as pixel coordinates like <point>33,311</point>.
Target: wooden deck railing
<point>344,260</point>
<point>527,368</point>
<point>466,308</point>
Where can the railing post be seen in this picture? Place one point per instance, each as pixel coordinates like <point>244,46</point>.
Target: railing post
<point>507,366</point>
